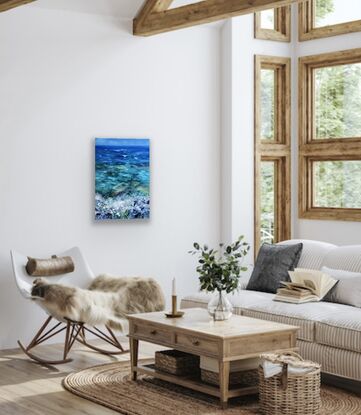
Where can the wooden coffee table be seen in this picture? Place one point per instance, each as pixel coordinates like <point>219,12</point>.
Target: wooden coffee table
<point>235,339</point>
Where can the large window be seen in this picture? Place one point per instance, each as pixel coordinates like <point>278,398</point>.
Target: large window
<point>338,101</point>
<point>330,136</point>
<point>322,18</point>
<point>272,149</point>
<point>273,24</point>
<point>337,183</point>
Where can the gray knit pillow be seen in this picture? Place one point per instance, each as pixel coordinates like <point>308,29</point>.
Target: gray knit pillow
<point>272,266</point>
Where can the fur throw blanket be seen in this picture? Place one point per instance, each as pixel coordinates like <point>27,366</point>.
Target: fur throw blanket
<point>107,301</point>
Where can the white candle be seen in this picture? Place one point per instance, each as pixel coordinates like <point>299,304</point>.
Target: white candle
<point>173,287</point>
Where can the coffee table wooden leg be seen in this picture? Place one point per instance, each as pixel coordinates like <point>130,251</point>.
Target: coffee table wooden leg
<point>134,346</point>
<point>224,382</point>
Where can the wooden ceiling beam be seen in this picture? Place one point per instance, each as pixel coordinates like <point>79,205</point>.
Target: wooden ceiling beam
<point>158,21</point>
<point>10,4</point>
<point>162,5</point>
<point>149,6</point>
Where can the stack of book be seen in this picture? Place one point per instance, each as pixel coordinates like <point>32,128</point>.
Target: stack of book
<point>305,286</point>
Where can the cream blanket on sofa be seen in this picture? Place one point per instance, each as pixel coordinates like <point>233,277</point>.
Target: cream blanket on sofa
<point>107,301</point>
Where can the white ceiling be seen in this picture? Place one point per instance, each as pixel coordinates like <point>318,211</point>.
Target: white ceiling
<point>125,9</point>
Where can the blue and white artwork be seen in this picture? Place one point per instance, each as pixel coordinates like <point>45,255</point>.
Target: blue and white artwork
<point>122,178</point>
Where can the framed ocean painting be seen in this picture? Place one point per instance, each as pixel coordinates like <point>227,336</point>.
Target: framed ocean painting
<point>122,178</point>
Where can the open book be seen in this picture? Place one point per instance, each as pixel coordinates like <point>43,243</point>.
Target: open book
<point>306,285</point>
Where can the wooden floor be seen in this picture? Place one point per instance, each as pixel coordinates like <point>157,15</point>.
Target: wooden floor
<point>27,388</point>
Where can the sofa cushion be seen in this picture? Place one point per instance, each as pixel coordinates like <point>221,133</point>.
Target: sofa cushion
<point>272,266</point>
<point>347,258</point>
<point>323,322</point>
<point>341,330</point>
<point>196,300</point>
<point>347,290</point>
<point>261,305</point>
<point>306,331</point>
<point>313,252</point>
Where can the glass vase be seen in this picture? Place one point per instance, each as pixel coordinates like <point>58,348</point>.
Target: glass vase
<point>219,307</point>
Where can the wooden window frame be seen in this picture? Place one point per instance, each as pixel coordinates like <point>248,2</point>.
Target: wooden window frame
<point>282,31</point>
<point>312,149</point>
<point>308,31</point>
<point>278,150</point>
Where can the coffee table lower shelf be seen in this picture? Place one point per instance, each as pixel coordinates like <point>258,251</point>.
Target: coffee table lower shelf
<point>193,383</point>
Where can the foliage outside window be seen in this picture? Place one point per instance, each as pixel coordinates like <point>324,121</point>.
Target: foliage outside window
<point>268,80</point>
<point>338,101</point>
<point>272,149</point>
<point>330,136</point>
<point>273,24</point>
<point>337,184</point>
<point>268,19</point>
<point>268,196</point>
<point>323,18</point>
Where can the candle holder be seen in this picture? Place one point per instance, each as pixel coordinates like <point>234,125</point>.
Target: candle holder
<point>174,313</point>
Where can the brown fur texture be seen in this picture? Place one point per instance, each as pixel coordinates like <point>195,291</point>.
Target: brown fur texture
<point>139,295</point>
<point>107,301</point>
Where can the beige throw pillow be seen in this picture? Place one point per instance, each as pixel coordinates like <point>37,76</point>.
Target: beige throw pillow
<point>347,290</point>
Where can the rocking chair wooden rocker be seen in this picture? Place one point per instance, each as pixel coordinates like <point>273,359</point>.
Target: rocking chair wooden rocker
<point>74,330</point>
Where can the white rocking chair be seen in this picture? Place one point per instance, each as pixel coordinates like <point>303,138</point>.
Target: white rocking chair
<point>74,330</point>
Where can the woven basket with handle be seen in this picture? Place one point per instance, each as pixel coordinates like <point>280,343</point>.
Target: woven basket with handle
<point>290,394</point>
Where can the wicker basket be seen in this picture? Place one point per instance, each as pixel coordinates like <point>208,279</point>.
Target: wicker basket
<point>177,363</point>
<point>243,378</point>
<point>290,394</point>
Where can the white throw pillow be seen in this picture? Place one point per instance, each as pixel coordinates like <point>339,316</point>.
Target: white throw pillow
<point>347,290</point>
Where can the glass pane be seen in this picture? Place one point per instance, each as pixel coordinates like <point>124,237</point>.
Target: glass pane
<point>267,201</point>
<point>267,104</point>
<point>336,184</point>
<point>268,19</point>
<point>331,12</point>
<point>338,101</point>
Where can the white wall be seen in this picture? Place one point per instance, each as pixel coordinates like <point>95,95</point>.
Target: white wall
<point>239,48</point>
<point>67,77</point>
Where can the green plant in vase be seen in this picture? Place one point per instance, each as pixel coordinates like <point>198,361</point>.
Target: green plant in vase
<point>220,271</point>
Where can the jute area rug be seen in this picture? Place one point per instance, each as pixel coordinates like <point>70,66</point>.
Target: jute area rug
<point>110,385</point>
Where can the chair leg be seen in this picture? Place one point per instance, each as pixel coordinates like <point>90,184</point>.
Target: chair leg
<point>113,341</point>
<point>74,331</point>
<point>66,343</point>
<point>41,337</point>
<point>38,334</point>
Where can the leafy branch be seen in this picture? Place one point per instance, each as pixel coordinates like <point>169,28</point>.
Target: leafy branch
<point>220,270</point>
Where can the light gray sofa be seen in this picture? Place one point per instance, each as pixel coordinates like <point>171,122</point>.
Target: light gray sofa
<point>330,333</point>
